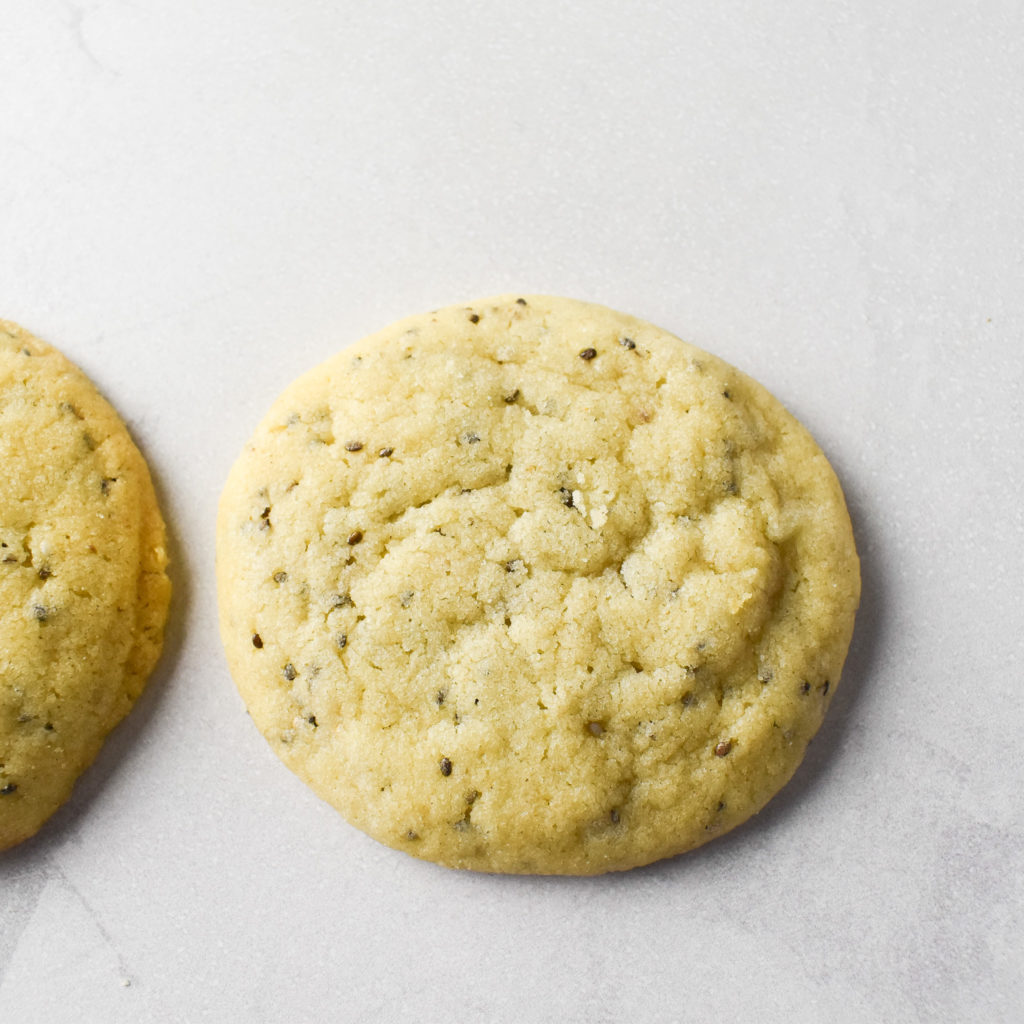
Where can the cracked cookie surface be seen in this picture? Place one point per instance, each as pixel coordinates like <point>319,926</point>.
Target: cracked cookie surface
<point>83,587</point>
<point>533,586</point>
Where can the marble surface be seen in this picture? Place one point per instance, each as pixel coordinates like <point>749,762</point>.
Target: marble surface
<point>200,200</point>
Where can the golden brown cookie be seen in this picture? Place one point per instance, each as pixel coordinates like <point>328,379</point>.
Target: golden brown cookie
<point>83,587</point>
<point>530,585</point>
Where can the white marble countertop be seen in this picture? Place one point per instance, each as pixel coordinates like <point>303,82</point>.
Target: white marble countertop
<point>200,200</point>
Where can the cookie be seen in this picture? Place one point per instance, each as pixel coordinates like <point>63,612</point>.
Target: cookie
<point>533,586</point>
<point>83,587</point>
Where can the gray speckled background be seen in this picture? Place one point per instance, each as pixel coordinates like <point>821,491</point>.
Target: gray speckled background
<point>198,201</point>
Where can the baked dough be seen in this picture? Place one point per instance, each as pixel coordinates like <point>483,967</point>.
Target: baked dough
<point>83,587</point>
<point>533,586</point>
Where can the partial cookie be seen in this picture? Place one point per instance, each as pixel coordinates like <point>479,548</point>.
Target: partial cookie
<point>533,586</point>
<point>83,587</point>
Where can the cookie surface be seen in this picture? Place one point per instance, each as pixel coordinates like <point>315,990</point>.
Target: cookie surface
<point>533,586</point>
<point>83,587</point>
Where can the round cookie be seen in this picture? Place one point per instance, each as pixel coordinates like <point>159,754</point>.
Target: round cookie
<point>83,588</point>
<point>533,586</point>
